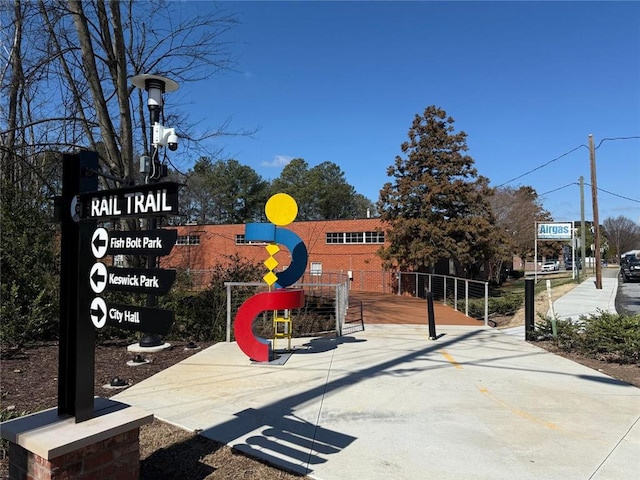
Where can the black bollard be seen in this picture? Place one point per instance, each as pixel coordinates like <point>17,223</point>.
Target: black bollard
<point>431,316</point>
<point>529,325</point>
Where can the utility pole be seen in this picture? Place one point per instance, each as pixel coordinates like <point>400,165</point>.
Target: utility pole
<point>596,221</point>
<point>583,238</point>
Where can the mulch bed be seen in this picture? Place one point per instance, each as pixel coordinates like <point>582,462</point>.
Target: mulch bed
<point>38,365</point>
<point>30,384</point>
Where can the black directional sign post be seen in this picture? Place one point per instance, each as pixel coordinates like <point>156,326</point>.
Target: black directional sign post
<point>84,277</point>
<point>76,357</point>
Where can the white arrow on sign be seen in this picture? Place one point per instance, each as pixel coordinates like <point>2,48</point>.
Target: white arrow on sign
<point>98,277</point>
<point>99,242</point>
<point>98,312</point>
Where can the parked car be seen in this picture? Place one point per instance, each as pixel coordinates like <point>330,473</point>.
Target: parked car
<point>550,267</point>
<point>568,264</point>
<point>630,267</point>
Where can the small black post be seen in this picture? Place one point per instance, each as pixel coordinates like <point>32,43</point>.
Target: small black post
<point>529,325</point>
<point>431,316</point>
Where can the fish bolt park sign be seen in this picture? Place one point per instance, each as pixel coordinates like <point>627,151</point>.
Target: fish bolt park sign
<point>149,242</point>
<point>554,231</point>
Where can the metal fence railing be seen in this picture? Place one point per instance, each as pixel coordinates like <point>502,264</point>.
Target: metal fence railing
<point>328,293</point>
<point>469,296</point>
<point>325,307</point>
<point>381,281</point>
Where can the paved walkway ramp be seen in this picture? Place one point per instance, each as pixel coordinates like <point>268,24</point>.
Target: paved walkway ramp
<point>388,402</point>
<point>387,308</point>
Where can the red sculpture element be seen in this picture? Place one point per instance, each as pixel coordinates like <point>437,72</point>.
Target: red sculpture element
<point>257,348</point>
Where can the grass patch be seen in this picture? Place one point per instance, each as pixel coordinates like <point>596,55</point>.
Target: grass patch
<point>516,286</point>
<point>506,299</point>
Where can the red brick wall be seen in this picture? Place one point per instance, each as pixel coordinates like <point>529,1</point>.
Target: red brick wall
<point>115,457</point>
<point>218,241</point>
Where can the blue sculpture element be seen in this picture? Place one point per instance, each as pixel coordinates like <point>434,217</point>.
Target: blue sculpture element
<point>268,232</point>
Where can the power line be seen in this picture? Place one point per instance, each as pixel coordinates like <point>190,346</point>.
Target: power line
<point>556,189</point>
<point>498,207</point>
<point>616,194</point>
<point>614,138</point>
<point>564,155</point>
<point>528,200</point>
<point>587,184</point>
<point>541,166</point>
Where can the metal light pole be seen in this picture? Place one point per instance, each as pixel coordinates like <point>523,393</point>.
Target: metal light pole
<point>156,86</point>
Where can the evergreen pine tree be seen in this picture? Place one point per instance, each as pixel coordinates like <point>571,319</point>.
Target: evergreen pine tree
<point>437,205</point>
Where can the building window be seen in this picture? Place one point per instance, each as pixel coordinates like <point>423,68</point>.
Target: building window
<point>373,237</point>
<point>354,237</point>
<point>315,268</point>
<point>335,238</point>
<point>188,240</point>
<point>240,240</point>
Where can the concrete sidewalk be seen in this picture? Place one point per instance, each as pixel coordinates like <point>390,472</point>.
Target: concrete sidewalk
<point>388,402</point>
<point>587,300</point>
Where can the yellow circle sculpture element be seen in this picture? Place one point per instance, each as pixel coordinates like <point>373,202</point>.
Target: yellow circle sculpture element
<point>281,209</point>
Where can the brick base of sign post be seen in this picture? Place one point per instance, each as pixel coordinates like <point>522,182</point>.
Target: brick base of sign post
<point>115,457</point>
<point>49,446</point>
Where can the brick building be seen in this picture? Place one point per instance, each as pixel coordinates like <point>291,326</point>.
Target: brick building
<point>338,249</point>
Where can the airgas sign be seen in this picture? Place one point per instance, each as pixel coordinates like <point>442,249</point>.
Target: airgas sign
<point>554,231</point>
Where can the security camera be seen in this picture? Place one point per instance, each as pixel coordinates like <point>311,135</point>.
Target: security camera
<point>165,137</point>
<point>172,140</point>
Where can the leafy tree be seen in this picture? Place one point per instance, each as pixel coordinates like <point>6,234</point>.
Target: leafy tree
<point>589,239</point>
<point>64,85</point>
<point>437,206</point>
<point>239,193</point>
<point>363,207</point>
<point>516,211</point>
<point>224,192</point>
<point>322,192</point>
<point>196,200</point>
<point>192,307</point>
<point>623,233</point>
<point>294,180</point>
<point>332,194</point>
<point>29,264</point>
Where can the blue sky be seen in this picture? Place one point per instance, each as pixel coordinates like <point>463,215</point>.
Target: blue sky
<point>527,81</point>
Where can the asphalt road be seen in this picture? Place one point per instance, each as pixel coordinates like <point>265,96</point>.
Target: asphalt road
<point>628,296</point>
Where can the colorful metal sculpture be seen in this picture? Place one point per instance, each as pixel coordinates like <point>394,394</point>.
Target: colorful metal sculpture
<point>281,209</point>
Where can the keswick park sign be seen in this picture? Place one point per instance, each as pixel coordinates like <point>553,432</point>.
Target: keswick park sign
<point>554,231</point>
